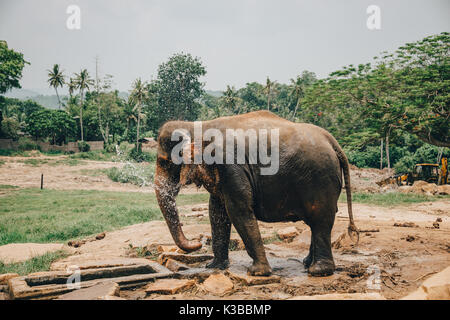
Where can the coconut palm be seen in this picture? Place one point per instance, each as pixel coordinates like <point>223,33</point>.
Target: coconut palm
<point>268,90</point>
<point>83,82</point>
<point>56,79</point>
<point>72,87</point>
<point>139,94</point>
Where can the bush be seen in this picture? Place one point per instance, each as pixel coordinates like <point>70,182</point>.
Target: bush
<point>83,146</point>
<point>26,144</point>
<point>10,128</point>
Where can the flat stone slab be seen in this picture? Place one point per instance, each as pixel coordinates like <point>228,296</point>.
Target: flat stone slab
<point>6,276</point>
<point>437,287</point>
<point>97,292</point>
<point>218,284</point>
<point>184,258</point>
<point>175,266</point>
<point>70,262</point>
<point>169,286</point>
<point>19,252</point>
<point>253,280</point>
<point>342,296</point>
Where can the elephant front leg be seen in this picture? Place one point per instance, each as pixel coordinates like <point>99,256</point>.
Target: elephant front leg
<point>246,225</point>
<point>220,233</point>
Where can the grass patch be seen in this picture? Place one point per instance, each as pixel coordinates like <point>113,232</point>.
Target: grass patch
<point>2,162</point>
<point>390,198</point>
<point>36,264</point>
<point>34,215</point>
<point>98,155</point>
<point>94,172</point>
<point>7,186</point>
<point>14,153</point>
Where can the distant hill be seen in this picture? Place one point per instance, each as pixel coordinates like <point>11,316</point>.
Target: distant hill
<point>214,93</point>
<point>43,97</point>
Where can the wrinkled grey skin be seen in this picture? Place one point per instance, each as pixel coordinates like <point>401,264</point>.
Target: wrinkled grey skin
<point>306,187</point>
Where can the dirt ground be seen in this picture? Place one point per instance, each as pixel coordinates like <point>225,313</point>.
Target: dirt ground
<point>389,259</point>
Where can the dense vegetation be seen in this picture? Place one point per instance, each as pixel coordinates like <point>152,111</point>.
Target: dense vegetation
<point>392,111</point>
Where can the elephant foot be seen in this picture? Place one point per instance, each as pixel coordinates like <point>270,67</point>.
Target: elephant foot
<point>307,261</point>
<point>260,269</point>
<point>321,268</point>
<point>218,264</point>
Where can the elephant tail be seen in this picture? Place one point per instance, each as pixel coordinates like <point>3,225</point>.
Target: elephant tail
<point>345,168</point>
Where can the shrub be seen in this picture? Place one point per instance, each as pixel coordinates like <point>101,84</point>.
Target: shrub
<point>10,128</point>
<point>83,146</point>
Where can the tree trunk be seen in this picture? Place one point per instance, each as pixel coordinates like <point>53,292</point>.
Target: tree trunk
<point>137,130</point>
<point>81,114</point>
<point>387,154</point>
<point>59,101</point>
<point>381,155</point>
<point>295,110</point>
<point>268,99</point>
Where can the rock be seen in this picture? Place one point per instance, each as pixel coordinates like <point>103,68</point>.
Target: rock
<point>96,292</point>
<point>87,262</point>
<point>3,296</point>
<point>444,189</point>
<point>19,252</point>
<point>100,236</point>
<point>253,280</point>
<point>164,248</point>
<point>342,296</point>
<point>6,276</point>
<point>218,284</point>
<point>436,287</point>
<point>169,286</point>
<point>406,225</point>
<point>436,225</point>
<point>175,266</point>
<point>340,240</point>
<point>185,258</point>
<point>439,220</point>
<point>288,233</point>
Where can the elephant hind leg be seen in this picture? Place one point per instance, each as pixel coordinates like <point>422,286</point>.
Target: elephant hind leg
<point>220,232</point>
<point>320,259</point>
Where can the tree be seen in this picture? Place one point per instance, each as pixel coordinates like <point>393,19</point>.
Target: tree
<point>138,95</point>
<point>268,90</point>
<point>11,66</point>
<point>10,128</point>
<point>298,87</point>
<point>83,82</point>
<point>56,79</point>
<point>177,89</point>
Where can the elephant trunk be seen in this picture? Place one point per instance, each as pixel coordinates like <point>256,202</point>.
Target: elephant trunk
<point>166,191</point>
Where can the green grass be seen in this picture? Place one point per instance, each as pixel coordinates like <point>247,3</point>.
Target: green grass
<point>98,155</point>
<point>7,186</point>
<point>36,264</point>
<point>34,215</point>
<point>14,153</point>
<point>389,199</point>
<point>140,174</point>
<point>2,162</point>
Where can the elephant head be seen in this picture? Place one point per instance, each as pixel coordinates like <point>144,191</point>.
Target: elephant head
<point>170,176</point>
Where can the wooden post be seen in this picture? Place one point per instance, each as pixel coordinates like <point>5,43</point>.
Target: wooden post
<point>42,181</point>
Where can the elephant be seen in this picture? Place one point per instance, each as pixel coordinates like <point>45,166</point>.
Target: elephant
<point>305,187</point>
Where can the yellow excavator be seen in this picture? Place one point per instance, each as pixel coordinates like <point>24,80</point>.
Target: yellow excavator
<point>429,172</point>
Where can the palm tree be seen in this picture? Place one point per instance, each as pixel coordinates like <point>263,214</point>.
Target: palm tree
<point>82,82</point>
<point>72,86</point>
<point>56,79</point>
<point>267,89</point>
<point>138,95</point>
<point>297,91</point>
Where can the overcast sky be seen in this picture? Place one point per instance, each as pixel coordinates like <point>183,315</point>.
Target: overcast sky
<point>239,41</point>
